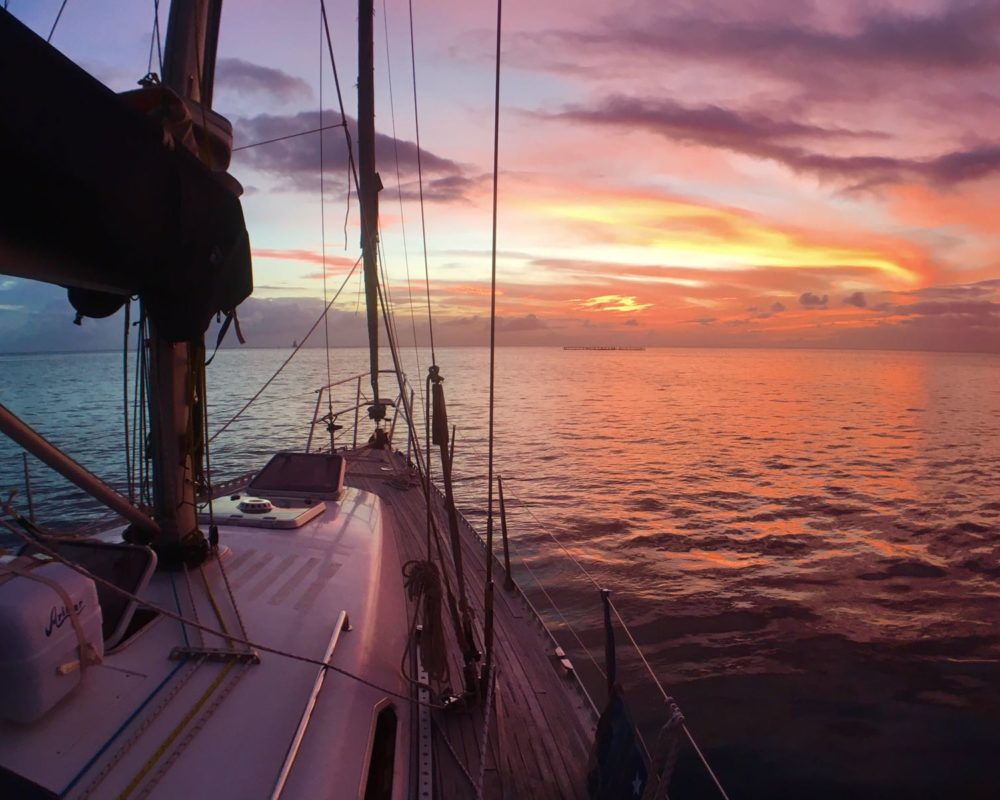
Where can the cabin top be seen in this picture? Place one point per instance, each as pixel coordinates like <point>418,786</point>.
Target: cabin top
<point>128,726</point>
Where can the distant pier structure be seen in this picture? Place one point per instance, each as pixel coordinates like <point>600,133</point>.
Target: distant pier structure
<point>602,347</point>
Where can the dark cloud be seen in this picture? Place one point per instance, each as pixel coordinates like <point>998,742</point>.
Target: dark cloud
<point>529,322</point>
<point>810,300</point>
<point>238,75</point>
<point>775,139</point>
<point>857,299</point>
<point>777,307</point>
<point>973,308</point>
<point>632,322</point>
<point>296,161</point>
<point>711,125</point>
<point>978,289</point>
<point>960,37</point>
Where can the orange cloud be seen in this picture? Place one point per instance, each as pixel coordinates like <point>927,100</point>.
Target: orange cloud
<point>680,231</point>
<point>614,302</point>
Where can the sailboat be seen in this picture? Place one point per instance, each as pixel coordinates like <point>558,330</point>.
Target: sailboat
<point>324,627</point>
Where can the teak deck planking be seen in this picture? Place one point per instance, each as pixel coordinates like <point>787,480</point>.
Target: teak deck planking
<point>542,724</point>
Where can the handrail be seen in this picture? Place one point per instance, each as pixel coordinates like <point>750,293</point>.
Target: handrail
<point>341,625</point>
<point>353,378</point>
<point>398,403</point>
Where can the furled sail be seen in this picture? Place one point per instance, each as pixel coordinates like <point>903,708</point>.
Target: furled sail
<point>97,196</point>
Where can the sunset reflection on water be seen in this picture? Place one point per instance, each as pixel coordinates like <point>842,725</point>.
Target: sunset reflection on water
<point>803,542</point>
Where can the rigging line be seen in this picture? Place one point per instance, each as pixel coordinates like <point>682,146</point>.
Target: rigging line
<point>420,184</point>
<point>154,40</point>
<point>152,35</point>
<point>399,192</point>
<point>291,135</point>
<point>128,450</point>
<point>524,563</point>
<point>493,330</point>
<point>391,316</point>
<point>291,356</point>
<point>37,543</point>
<point>669,701</point>
<point>322,226</point>
<point>159,43</point>
<point>569,627</point>
<point>352,170</point>
<point>340,101</point>
<point>58,17</point>
<point>628,633</point>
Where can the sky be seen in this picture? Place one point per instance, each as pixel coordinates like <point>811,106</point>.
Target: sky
<point>775,173</point>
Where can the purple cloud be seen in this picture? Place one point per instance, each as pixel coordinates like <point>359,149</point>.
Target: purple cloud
<point>813,301</point>
<point>296,161</point>
<point>857,299</point>
<point>762,136</point>
<point>237,75</point>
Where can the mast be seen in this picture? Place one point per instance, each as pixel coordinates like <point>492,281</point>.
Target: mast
<point>370,185</point>
<point>176,368</point>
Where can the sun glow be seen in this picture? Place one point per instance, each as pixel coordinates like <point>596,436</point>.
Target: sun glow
<point>703,237</point>
<point>614,302</point>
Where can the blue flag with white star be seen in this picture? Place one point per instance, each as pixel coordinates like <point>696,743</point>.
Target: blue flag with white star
<point>618,764</point>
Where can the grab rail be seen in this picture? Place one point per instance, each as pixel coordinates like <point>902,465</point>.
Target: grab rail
<point>341,625</point>
<point>331,415</point>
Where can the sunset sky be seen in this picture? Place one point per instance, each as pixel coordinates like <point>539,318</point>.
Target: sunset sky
<point>778,173</point>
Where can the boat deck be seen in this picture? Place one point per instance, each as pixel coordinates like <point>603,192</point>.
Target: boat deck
<point>541,725</point>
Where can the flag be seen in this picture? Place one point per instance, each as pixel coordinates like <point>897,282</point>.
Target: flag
<point>618,767</point>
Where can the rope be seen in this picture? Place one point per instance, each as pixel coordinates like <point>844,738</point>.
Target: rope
<point>670,703</point>
<point>58,17</point>
<point>420,183</point>
<point>352,167</point>
<point>423,586</point>
<point>493,335</point>
<point>165,744</point>
<point>451,749</point>
<point>129,743</point>
<point>290,357</point>
<point>322,229</point>
<point>205,628</point>
<point>193,731</point>
<point>484,740</point>
<point>154,40</point>
<point>128,451</point>
<point>292,135</point>
<point>665,757</point>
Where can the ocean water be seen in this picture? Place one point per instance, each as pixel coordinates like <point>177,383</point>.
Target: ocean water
<point>805,544</point>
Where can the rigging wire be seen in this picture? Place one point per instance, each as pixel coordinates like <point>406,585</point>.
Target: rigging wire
<point>399,192</point>
<point>154,40</point>
<point>128,449</point>
<point>420,183</point>
<point>322,225</point>
<point>56,22</point>
<point>291,135</point>
<point>628,632</point>
<point>352,167</point>
<point>291,356</point>
<point>493,328</point>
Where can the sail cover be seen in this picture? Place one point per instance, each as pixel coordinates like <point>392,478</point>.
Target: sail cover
<point>95,196</point>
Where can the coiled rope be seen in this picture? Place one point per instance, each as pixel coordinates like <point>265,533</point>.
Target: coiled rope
<point>422,580</point>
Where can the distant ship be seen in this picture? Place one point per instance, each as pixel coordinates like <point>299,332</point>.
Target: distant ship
<point>602,347</point>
